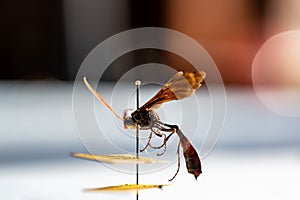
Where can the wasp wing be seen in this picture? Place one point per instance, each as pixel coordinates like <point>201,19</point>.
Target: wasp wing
<point>181,85</point>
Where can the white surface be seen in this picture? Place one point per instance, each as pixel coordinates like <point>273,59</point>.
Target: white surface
<point>243,175</point>
<point>257,156</point>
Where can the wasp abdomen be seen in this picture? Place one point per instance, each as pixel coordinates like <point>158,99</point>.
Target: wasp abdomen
<point>192,160</point>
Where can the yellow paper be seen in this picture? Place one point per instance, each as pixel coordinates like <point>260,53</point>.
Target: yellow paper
<point>126,187</point>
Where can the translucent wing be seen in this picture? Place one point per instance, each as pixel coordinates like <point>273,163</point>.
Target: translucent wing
<point>181,85</point>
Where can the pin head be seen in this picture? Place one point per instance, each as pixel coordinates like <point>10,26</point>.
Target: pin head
<point>137,82</point>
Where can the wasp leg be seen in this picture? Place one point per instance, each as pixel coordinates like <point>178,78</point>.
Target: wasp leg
<point>172,127</point>
<point>163,145</point>
<point>158,132</point>
<point>168,130</point>
<point>148,142</point>
<point>178,163</point>
<point>166,138</point>
<point>163,129</point>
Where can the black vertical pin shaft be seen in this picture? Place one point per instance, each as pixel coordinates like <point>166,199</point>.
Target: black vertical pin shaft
<point>137,83</point>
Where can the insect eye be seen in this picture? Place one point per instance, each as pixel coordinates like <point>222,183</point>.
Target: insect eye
<point>129,123</point>
<point>127,119</point>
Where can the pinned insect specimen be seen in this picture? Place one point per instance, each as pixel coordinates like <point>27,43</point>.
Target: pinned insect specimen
<point>181,85</point>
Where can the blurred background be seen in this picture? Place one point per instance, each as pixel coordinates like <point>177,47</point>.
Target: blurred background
<point>254,43</point>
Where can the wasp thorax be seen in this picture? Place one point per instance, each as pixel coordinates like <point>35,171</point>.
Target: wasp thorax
<point>144,118</point>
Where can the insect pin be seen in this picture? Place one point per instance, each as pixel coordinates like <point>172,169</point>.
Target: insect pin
<point>180,86</point>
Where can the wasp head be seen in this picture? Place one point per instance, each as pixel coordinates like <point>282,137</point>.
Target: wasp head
<point>127,119</point>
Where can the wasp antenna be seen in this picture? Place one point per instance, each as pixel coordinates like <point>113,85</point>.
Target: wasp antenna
<point>100,98</point>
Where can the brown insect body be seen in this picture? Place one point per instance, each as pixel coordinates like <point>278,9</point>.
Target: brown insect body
<point>192,160</point>
<point>145,118</point>
<point>181,85</point>
<point>142,117</point>
<point>150,120</point>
